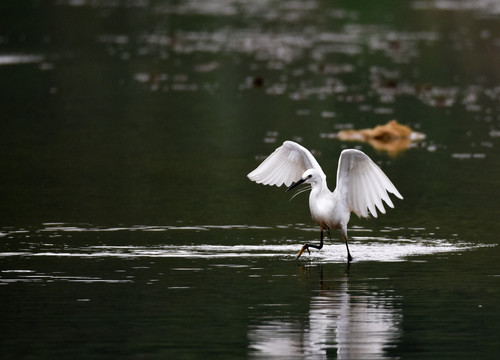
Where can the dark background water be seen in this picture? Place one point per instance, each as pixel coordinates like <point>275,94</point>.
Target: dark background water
<point>129,228</point>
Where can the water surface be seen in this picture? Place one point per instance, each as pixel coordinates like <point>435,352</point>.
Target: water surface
<point>129,229</point>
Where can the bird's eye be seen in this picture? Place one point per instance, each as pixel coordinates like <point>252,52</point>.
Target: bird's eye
<point>310,176</point>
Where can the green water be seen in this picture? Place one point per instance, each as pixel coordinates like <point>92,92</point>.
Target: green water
<point>128,228</point>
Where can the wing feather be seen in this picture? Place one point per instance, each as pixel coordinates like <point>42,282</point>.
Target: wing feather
<point>377,188</point>
<point>371,198</point>
<point>378,200</point>
<point>363,199</point>
<point>285,165</point>
<point>362,184</point>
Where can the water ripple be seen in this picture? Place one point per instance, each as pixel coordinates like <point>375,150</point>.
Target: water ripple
<point>362,251</point>
<point>388,244</point>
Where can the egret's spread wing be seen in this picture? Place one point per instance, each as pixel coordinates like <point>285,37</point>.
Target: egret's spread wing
<point>285,165</point>
<point>362,184</point>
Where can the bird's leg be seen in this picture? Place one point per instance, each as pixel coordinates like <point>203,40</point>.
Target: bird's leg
<point>344,235</point>
<point>307,246</point>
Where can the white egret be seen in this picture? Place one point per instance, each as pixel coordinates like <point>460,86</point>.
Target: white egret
<point>361,186</point>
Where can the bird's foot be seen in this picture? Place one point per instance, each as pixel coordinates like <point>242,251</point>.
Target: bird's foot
<point>305,247</point>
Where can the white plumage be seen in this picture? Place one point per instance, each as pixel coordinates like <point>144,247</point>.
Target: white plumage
<point>361,186</point>
<point>285,165</point>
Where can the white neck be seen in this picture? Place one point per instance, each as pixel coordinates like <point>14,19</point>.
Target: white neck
<point>319,186</point>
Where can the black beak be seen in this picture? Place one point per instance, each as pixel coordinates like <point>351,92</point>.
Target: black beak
<point>294,185</point>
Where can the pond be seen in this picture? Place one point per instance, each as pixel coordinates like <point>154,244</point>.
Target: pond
<point>129,227</point>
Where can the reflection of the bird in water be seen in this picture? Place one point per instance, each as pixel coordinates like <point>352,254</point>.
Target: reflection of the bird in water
<point>356,322</point>
<point>391,137</point>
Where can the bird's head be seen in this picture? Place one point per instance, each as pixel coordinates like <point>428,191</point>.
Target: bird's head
<point>310,176</point>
